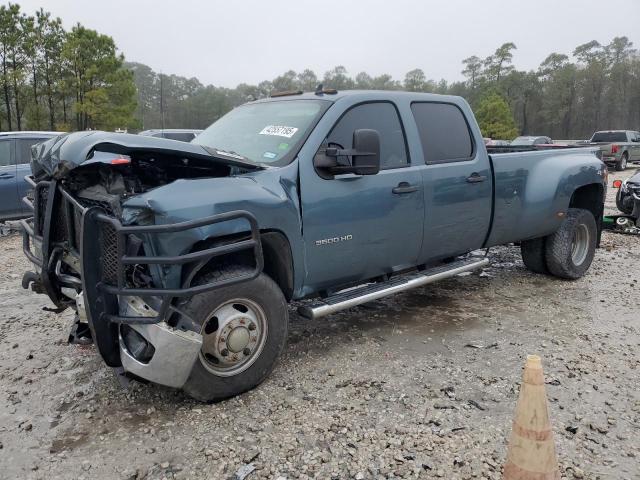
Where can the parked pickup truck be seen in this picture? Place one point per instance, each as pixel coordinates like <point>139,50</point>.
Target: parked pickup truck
<point>618,147</point>
<point>182,257</point>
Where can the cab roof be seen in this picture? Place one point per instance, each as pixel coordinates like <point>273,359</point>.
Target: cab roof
<point>364,94</point>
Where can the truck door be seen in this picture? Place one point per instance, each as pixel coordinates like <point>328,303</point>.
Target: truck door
<point>457,181</point>
<point>357,227</point>
<point>9,206</point>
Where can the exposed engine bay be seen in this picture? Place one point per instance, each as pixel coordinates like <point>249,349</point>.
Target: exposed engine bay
<point>111,178</point>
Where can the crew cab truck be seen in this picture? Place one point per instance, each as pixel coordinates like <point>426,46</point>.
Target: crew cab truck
<point>618,147</point>
<point>182,257</point>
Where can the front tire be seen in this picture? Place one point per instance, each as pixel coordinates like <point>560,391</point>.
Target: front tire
<point>622,163</point>
<point>570,250</point>
<point>244,329</point>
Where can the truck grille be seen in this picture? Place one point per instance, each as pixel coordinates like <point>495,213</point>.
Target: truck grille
<point>109,249</point>
<point>108,242</point>
<point>41,206</point>
<point>60,225</point>
<point>59,231</point>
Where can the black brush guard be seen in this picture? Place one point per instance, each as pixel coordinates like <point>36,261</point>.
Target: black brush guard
<point>62,225</point>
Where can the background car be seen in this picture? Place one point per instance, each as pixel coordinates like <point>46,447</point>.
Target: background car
<point>529,140</point>
<point>618,147</point>
<point>498,143</point>
<point>182,134</point>
<point>15,155</point>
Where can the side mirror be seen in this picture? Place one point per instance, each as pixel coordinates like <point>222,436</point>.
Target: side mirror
<point>366,158</point>
<point>362,159</point>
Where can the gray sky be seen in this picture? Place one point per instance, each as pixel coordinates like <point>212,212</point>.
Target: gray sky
<point>228,42</point>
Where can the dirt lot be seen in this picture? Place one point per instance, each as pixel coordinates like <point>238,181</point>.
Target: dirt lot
<point>391,389</point>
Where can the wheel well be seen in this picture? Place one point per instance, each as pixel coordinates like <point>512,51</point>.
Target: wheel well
<point>588,197</point>
<point>276,251</point>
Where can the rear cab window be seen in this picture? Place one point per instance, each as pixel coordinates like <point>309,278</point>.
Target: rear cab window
<point>444,132</point>
<point>602,137</point>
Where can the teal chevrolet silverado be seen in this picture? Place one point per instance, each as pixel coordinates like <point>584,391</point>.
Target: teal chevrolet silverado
<point>180,259</point>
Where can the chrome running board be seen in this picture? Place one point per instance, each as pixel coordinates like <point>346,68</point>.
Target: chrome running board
<point>373,291</point>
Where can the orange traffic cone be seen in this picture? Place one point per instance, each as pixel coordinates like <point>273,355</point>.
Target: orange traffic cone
<point>532,453</point>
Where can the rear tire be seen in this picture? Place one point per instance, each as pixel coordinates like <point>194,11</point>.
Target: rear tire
<point>533,255</point>
<point>570,250</point>
<point>258,303</point>
<point>622,164</point>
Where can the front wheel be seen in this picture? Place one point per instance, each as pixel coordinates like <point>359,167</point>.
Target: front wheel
<point>243,328</point>
<point>570,250</point>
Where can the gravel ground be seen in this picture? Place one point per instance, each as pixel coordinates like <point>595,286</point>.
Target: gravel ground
<point>420,385</point>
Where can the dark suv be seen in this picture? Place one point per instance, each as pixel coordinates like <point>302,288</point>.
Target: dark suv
<point>15,155</point>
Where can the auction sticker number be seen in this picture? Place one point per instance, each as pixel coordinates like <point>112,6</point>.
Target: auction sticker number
<point>279,131</point>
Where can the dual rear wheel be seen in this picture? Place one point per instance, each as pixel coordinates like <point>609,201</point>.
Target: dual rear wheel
<point>566,253</point>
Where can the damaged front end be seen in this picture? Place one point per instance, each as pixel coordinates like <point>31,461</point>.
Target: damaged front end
<point>94,254</point>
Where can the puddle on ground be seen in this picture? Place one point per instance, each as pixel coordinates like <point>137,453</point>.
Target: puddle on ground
<point>69,442</point>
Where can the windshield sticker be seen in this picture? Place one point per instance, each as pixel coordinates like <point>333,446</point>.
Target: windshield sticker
<point>283,146</point>
<point>279,131</point>
<point>270,155</point>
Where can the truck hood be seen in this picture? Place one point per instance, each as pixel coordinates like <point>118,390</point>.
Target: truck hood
<point>58,156</point>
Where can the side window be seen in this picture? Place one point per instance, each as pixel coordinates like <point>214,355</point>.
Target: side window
<point>381,116</point>
<point>444,132</point>
<point>5,153</point>
<point>23,149</point>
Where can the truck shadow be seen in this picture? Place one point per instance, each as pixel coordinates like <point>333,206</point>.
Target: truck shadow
<point>434,311</point>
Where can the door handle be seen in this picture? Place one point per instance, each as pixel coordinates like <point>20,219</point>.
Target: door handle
<point>6,175</point>
<point>476,178</point>
<point>404,187</point>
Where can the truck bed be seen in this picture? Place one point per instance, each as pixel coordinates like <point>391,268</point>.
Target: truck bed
<point>525,204</point>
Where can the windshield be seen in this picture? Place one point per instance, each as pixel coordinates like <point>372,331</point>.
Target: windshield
<point>609,137</point>
<point>269,132</point>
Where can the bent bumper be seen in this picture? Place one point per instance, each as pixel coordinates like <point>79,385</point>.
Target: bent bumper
<point>66,230</point>
<point>175,353</point>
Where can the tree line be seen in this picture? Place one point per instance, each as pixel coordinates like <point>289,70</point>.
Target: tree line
<point>74,80</point>
<point>566,97</point>
<point>60,80</point>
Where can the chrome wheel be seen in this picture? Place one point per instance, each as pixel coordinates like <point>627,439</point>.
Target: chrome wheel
<point>233,337</point>
<point>580,244</point>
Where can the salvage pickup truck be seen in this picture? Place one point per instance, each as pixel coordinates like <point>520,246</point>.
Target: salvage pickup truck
<point>183,257</point>
<point>618,147</point>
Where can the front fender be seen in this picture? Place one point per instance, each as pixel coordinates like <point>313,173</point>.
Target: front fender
<point>270,195</point>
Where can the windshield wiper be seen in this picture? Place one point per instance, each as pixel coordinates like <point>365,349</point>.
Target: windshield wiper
<point>236,157</point>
